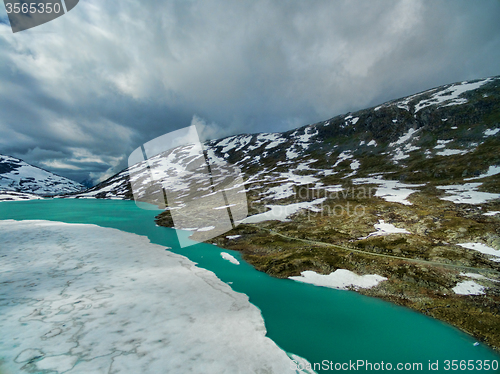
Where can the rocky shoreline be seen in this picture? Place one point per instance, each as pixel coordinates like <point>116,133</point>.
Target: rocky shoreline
<point>425,288</point>
<point>422,266</point>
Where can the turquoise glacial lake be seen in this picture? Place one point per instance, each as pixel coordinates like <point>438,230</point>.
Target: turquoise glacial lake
<point>313,322</point>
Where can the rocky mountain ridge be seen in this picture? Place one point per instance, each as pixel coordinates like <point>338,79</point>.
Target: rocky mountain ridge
<point>443,135</point>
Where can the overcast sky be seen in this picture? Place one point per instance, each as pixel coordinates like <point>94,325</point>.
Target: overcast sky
<point>80,93</point>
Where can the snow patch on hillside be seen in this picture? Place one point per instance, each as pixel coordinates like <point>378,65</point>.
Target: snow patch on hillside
<point>281,192</point>
<point>340,279</point>
<point>404,138</point>
<point>492,170</point>
<point>442,143</point>
<point>291,153</point>
<point>403,145</point>
<point>467,194</point>
<point>451,152</point>
<point>345,155</point>
<point>298,179</point>
<point>350,120</point>
<point>384,228</point>
<point>478,276</point>
<point>451,95</point>
<point>404,104</point>
<point>17,196</point>
<point>305,139</point>
<point>490,132</point>
<point>282,212</point>
<point>483,249</point>
<point>392,191</point>
<point>468,287</point>
<point>492,213</point>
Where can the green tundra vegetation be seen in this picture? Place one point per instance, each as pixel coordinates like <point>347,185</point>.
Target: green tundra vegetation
<point>423,143</point>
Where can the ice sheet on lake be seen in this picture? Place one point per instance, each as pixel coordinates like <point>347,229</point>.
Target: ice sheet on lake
<point>230,258</point>
<point>86,299</point>
<point>341,279</point>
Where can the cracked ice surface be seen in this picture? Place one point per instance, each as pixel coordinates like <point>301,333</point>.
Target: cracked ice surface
<point>87,299</point>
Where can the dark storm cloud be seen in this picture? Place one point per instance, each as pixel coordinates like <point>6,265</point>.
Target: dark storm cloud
<point>78,94</point>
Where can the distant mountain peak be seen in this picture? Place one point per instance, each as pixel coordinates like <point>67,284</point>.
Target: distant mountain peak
<point>21,177</point>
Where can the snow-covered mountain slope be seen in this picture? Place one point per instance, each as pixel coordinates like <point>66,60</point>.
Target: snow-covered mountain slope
<point>18,176</point>
<point>443,135</point>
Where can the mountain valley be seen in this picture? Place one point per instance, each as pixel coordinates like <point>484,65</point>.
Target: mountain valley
<point>408,190</point>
